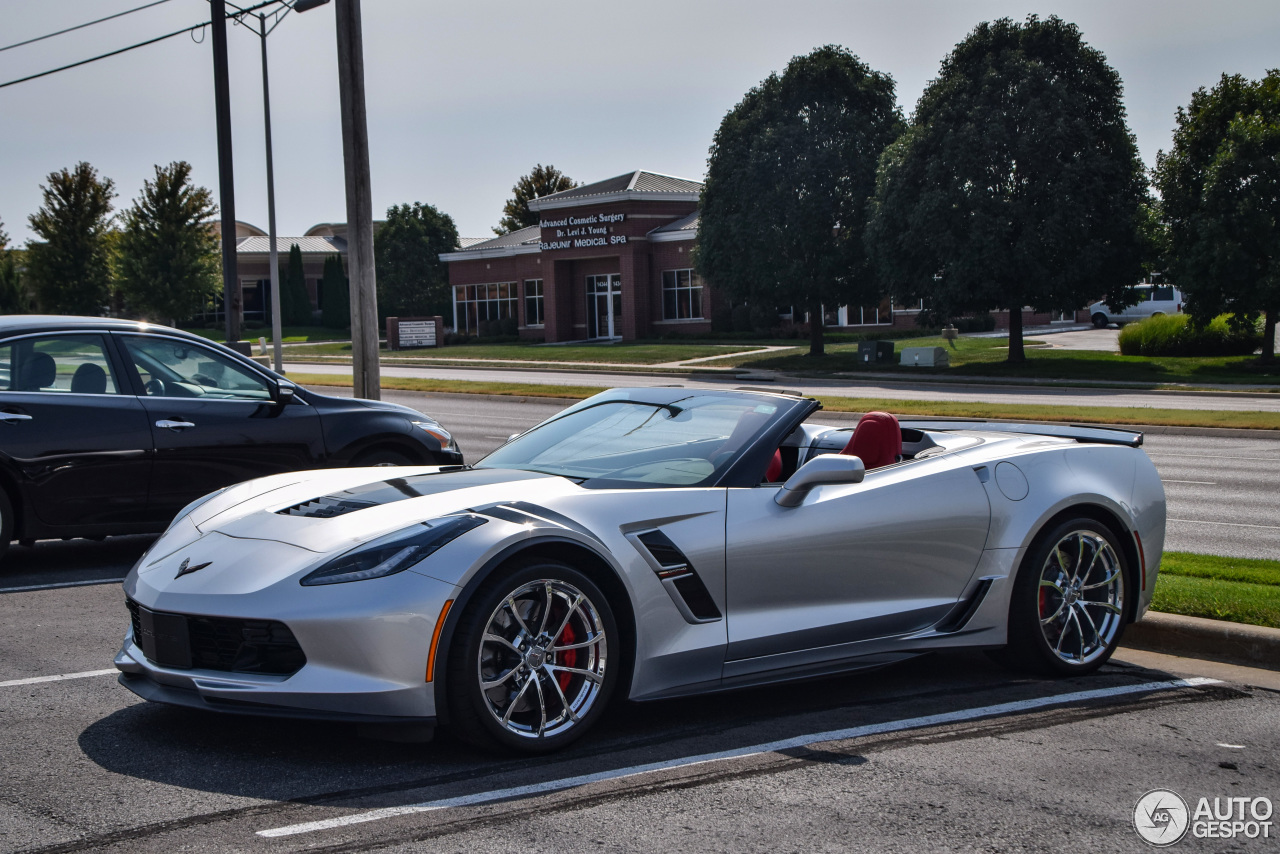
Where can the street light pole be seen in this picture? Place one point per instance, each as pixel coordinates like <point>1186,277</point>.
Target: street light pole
<point>277,360</point>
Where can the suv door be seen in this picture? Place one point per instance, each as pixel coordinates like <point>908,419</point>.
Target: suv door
<point>854,562</point>
<point>213,421</point>
<point>76,443</point>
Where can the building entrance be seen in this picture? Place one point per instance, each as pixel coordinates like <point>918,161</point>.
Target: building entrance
<point>604,306</point>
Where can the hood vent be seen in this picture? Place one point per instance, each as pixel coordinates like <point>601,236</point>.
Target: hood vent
<point>398,489</point>
<point>326,507</point>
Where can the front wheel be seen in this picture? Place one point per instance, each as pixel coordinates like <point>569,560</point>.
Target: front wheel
<point>534,660</point>
<point>382,457</point>
<point>1100,320</point>
<point>1067,610</point>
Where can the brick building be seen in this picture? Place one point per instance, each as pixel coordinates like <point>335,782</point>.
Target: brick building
<point>612,260</point>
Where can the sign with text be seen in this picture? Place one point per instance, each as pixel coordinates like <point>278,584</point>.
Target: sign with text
<point>418,333</point>
<point>583,232</point>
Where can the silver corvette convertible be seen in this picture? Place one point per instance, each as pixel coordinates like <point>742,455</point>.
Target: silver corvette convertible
<point>644,543</point>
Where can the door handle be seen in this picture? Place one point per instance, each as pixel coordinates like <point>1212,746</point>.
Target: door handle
<point>13,417</point>
<point>173,424</point>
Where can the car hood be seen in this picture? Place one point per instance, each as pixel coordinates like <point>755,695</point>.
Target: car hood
<point>333,510</point>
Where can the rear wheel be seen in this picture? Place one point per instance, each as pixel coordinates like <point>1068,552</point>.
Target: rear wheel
<point>534,660</point>
<point>1067,611</point>
<point>1100,320</point>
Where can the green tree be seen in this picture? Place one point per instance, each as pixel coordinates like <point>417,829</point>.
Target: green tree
<point>167,262</point>
<point>1220,188</point>
<point>1018,182</point>
<point>295,302</point>
<point>13,294</point>
<point>542,181</point>
<point>785,202</point>
<point>412,280</point>
<point>70,269</point>
<point>336,311</point>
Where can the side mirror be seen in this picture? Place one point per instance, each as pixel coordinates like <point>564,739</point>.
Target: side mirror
<point>819,471</point>
<point>283,391</point>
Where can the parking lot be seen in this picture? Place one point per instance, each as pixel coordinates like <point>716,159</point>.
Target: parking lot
<point>900,757</point>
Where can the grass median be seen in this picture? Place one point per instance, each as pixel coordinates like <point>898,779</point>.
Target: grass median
<point>904,408</point>
<point>1219,588</point>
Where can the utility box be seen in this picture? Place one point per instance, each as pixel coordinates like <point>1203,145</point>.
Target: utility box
<point>926,357</point>
<point>871,352</point>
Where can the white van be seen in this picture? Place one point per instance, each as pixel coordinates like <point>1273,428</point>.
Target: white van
<point>1153,300</point>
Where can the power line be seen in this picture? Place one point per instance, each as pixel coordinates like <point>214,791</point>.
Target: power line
<point>130,47</point>
<point>82,26</point>
<point>103,56</point>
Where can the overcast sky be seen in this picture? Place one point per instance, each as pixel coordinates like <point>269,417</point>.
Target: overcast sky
<point>466,97</point>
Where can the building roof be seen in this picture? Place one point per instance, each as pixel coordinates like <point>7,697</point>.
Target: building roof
<point>685,228</point>
<point>308,245</point>
<point>512,243</point>
<point>638,185</point>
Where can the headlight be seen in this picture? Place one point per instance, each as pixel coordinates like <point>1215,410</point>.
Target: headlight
<point>393,553</point>
<point>431,428</point>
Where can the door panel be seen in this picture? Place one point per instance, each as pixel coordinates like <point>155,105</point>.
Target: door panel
<point>213,422</point>
<point>80,451</point>
<point>885,557</point>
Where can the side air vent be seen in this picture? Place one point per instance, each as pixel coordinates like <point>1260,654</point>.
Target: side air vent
<point>682,581</point>
<point>965,608</point>
<point>326,507</point>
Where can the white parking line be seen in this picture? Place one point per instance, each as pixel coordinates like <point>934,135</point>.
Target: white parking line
<point>32,680</point>
<point>1201,482</point>
<point>1232,524</point>
<point>60,584</point>
<point>754,750</point>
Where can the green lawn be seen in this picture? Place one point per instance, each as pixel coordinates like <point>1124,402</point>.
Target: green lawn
<point>289,334</point>
<point>905,408</point>
<point>985,357</point>
<point>629,353</point>
<point>1219,588</point>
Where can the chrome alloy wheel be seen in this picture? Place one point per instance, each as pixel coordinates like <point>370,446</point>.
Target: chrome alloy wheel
<point>542,658</point>
<point>1081,597</point>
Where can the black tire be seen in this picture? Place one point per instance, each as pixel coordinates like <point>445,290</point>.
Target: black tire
<point>6,522</point>
<point>576,700</point>
<point>382,457</point>
<point>1100,320</point>
<point>1078,573</point>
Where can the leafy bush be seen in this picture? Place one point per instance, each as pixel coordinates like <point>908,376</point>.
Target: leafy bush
<point>984,322</point>
<point>1175,335</point>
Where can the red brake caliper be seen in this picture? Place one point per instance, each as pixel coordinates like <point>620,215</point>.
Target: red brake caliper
<point>567,657</point>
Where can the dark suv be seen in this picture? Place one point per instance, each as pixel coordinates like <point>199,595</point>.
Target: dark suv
<point>112,426</point>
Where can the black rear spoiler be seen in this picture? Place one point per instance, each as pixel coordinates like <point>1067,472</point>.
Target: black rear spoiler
<point>1079,432</point>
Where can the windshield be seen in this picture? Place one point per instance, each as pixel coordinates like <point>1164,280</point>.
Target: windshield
<point>626,443</point>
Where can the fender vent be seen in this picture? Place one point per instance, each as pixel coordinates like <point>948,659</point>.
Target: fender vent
<point>679,577</point>
<point>965,608</point>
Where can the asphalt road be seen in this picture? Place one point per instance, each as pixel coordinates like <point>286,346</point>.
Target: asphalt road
<point>878,388</point>
<point>946,752</point>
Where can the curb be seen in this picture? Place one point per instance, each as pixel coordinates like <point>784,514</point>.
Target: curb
<point>1215,640</point>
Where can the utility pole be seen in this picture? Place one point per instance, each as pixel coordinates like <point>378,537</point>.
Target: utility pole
<point>226,179</point>
<point>366,371</point>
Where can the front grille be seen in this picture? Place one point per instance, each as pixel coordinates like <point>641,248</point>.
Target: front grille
<point>215,643</point>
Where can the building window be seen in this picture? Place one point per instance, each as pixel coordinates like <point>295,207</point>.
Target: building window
<point>681,295</point>
<point>533,302</point>
<point>478,308</point>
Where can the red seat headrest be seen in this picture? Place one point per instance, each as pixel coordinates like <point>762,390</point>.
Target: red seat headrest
<point>877,440</point>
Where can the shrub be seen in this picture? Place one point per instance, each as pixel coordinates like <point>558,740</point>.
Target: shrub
<point>1175,335</point>
<point>984,322</point>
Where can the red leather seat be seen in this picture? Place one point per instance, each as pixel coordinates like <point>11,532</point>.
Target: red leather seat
<point>877,440</point>
<point>774,471</point>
